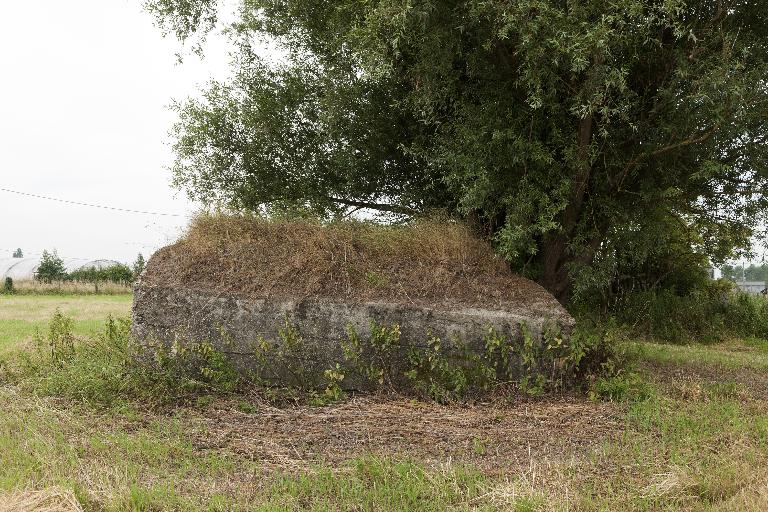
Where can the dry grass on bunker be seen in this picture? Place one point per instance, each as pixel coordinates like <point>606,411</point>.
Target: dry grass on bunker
<point>427,263</point>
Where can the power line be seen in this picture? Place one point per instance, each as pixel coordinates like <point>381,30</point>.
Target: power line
<point>65,201</point>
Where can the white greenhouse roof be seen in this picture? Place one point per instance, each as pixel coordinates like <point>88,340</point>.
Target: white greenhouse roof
<point>23,269</point>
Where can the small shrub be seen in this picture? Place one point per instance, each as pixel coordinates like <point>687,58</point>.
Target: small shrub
<point>60,339</point>
<point>435,374</point>
<point>182,369</point>
<point>372,359</point>
<point>335,377</point>
<point>292,356</point>
<point>8,286</point>
<point>51,268</point>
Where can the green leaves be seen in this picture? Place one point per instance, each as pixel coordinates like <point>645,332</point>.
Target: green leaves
<point>559,128</point>
<point>51,268</point>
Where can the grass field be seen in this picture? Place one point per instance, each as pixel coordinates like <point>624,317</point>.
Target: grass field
<point>685,429</point>
<point>21,316</point>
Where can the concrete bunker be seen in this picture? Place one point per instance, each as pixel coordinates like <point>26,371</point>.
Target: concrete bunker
<point>360,298</point>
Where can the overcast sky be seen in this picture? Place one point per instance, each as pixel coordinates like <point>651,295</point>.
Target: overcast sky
<point>84,90</point>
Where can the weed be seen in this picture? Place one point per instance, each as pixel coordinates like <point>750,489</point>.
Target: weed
<point>335,377</point>
<point>448,370</point>
<point>433,373</point>
<point>247,407</point>
<point>204,401</point>
<point>376,280</point>
<point>726,390</point>
<point>479,446</point>
<point>372,359</point>
<point>626,387</point>
<point>108,369</point>
<point>60,339</point>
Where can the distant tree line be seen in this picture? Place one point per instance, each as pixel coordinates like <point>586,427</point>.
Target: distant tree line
<point>52,269</point>
<point>745,273</point>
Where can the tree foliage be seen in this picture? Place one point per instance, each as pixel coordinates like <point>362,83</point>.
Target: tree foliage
<point>18,253</point>
<point>580,137</point>
<point>119,273</point>
<point>138,266</point>
<point>742,272</point>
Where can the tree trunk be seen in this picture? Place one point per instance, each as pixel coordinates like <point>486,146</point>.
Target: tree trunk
<point>555,252</point>
<point>555,276</point>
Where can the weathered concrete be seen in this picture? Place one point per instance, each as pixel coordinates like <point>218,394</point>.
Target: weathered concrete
<point>236,324</point>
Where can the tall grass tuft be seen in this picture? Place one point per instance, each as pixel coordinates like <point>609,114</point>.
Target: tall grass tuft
<point>109,368</point>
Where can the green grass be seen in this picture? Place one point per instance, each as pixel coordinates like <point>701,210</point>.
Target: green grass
<point>684,454</point>
<point>691,434</point>
<point>121,461</point>
<point>21,316</point>
<point>752,353</point>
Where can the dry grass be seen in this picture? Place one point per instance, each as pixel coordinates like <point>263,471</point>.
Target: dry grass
<point>36,308</point>
<point>69,288</point>
<point>497,437</point>
<point>49,500</point>
<point>428,263</point>
<point>752,498</point>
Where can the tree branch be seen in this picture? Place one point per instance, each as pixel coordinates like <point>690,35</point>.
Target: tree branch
<point>687,142</point>
<point>382,207</point>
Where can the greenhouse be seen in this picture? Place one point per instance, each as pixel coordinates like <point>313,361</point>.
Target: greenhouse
<point>23,269</point>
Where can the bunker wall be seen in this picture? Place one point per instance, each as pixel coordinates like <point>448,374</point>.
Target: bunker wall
<point>238,325</point>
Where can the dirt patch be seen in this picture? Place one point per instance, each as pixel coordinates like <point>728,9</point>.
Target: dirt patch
<point>427,263</point>
<point>495,436</point>
<point>696,381</point>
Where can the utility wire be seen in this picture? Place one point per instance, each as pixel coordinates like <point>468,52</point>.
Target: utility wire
<point>90,205</point>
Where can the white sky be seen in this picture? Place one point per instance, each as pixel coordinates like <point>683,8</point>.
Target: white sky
<point>84,90</point>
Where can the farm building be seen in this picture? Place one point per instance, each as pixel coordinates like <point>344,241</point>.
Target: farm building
<point>23,269</point>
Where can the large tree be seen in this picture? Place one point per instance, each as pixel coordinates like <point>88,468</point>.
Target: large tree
<point>565,131</point>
